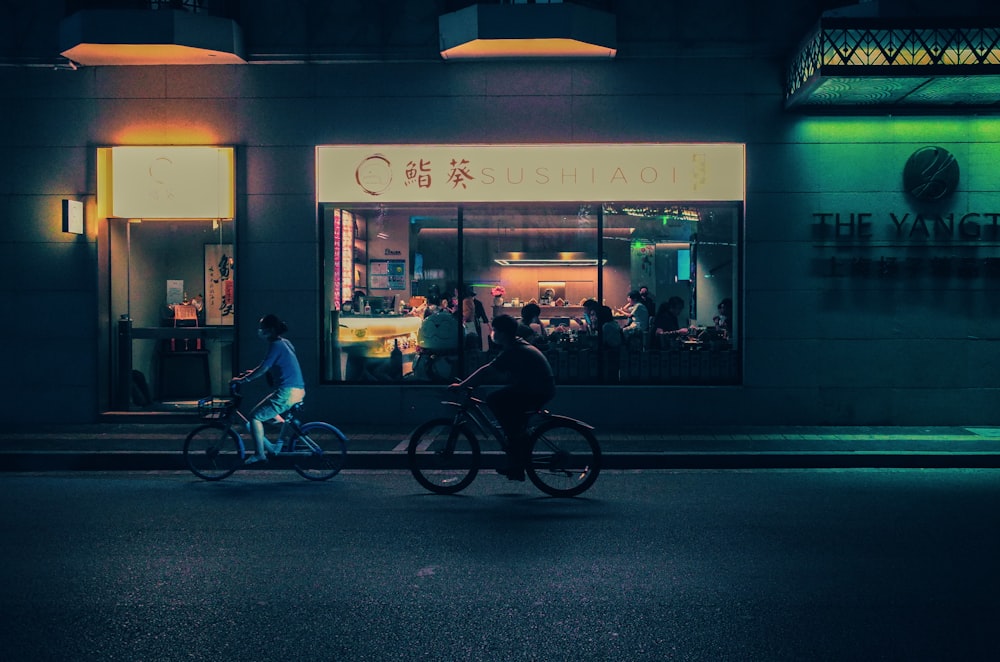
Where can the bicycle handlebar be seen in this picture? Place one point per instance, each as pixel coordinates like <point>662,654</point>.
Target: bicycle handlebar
<point>235,386</point>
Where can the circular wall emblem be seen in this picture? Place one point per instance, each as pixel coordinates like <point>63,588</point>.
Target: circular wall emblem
<point>374,174</point>
<point>931,173</point>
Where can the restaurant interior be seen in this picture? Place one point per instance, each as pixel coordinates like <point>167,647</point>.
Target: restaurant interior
<point>389,270</point>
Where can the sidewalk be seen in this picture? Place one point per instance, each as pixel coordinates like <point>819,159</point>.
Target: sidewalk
<point>157,446</point>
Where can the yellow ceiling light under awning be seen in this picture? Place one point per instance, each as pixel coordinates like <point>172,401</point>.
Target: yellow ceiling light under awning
<point>556,30</point>
<point>118,37</point>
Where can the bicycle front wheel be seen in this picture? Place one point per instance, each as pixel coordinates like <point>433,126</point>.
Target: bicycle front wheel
<point>213,451</point>
<point>565,458</point>
<point>443,457</point>
<point>319,452</point>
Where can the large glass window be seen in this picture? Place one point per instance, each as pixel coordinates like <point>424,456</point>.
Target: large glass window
<point>172,285</point>
<point>410,290</point>
<point>683,261</point>
<point>537,263</point>
<point>387,269</point>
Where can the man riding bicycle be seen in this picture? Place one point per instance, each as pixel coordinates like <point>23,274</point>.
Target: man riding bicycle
<point>529,385</point>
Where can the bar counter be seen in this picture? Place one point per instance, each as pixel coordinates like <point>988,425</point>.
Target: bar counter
<point>378,333</point>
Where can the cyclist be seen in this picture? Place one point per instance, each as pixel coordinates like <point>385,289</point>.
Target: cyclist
<point>284,375</point>
<point>529,385</point>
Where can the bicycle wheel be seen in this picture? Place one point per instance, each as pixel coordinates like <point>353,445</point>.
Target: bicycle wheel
<point>442,457</point>
<point>565,458</point>
<point>213,451</point>
<point>319,452</point>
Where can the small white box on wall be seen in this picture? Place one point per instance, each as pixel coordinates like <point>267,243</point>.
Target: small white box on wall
<point>72,216</point>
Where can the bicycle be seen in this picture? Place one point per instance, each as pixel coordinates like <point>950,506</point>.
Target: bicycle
<point>444,455</point>
<point>214,450</point>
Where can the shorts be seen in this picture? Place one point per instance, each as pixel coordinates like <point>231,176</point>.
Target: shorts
<point>277,403</point>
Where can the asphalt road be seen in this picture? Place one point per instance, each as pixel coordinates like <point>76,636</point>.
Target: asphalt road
<point>653,565</point>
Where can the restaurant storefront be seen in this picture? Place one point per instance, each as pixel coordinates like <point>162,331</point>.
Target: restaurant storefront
<point>411,231</point>
<point>169,239</point>
<point>845,215</point>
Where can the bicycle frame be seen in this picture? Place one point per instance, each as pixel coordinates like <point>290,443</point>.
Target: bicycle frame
<point>291,427</point>
<point>215,449</point>
<point>474,411</point>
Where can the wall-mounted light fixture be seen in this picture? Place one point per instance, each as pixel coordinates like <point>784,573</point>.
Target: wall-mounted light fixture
<point>72,216</point>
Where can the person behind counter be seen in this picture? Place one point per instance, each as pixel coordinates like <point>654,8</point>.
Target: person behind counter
<point>472,316</point>
<point>479,316</point>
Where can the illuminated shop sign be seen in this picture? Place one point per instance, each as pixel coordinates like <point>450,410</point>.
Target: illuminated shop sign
<point>932,240</point>
<point>170,182</point>
<point>530,173</point>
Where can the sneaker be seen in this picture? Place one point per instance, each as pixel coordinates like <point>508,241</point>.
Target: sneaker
<point>255,458</point>
<point>275,448</point>
<point>512,473</point>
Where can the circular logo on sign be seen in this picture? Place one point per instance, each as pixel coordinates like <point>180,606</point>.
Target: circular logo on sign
<point>931,173</point>
<point>374,174</point>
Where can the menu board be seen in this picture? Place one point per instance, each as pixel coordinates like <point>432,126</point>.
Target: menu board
<point>387,275</point>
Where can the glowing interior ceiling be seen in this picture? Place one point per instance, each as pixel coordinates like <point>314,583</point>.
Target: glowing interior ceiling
<point>551,260</point>
<point>501,48</point>
<point>97,55</point>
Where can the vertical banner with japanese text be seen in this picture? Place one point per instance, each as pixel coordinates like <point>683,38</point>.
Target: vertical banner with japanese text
<point>219,284</point>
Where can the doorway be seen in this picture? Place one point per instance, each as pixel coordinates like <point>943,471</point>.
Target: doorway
<point>172,307</point>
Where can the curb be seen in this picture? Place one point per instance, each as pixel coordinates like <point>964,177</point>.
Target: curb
<point>40,461</point>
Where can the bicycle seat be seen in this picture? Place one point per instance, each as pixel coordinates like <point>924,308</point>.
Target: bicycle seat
<point>294,409</point>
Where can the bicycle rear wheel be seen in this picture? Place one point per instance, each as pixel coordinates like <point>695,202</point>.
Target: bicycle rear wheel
<point>443,457</point>
<point>565,458</point>
<point>319,452</point>
<point>213,451</point>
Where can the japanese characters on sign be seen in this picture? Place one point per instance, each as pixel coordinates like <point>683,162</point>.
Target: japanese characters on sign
<point>526,173</point>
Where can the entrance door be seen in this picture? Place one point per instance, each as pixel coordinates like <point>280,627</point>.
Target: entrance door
<point>172,308</point>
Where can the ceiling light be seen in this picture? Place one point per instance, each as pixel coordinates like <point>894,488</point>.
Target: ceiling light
<point>556,30</point>
<point>111,37</point>
<point>563,259</point>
